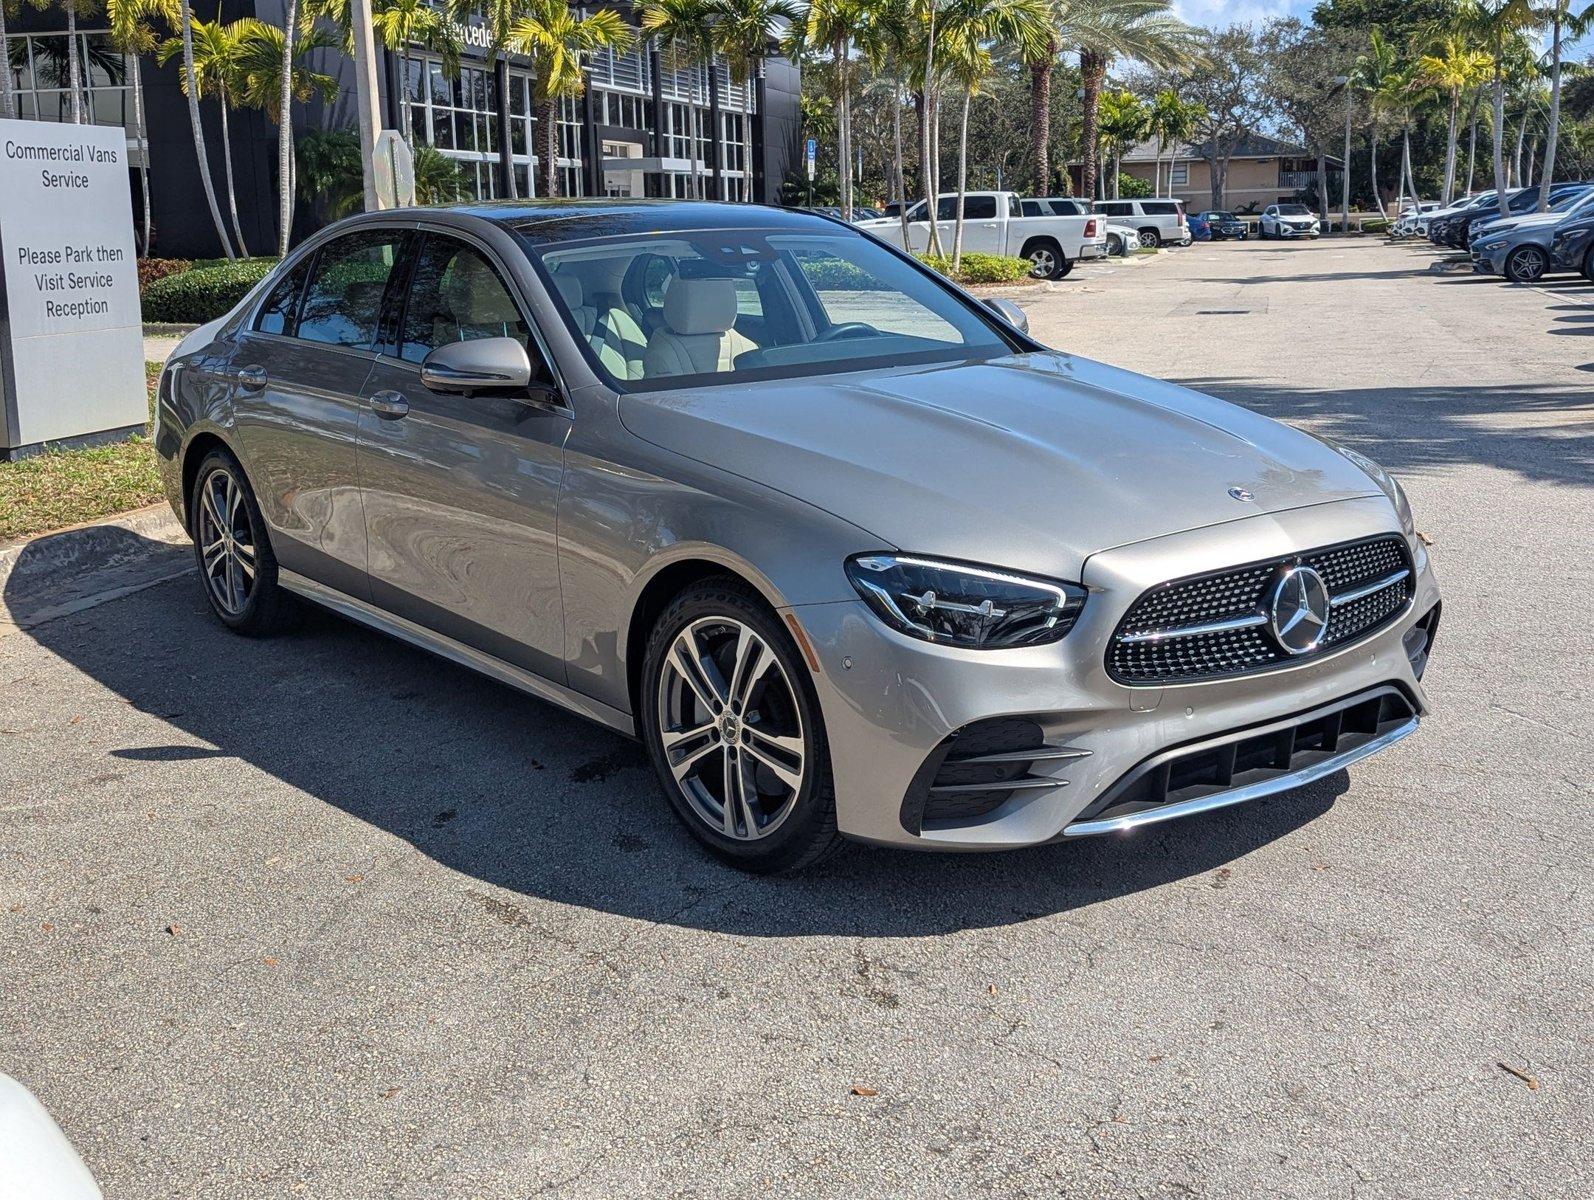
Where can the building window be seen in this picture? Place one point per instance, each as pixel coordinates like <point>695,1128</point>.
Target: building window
<point>459,118</point>
<point>40,78</point>
<point>1179,177</point>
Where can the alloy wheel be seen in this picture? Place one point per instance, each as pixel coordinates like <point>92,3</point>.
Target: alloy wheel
<point>1045,263</point>
<point>731,728</point>
<point>1527,265</point>
<point>226,542</point>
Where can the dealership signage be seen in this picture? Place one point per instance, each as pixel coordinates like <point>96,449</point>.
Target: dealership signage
<point>71,334</point>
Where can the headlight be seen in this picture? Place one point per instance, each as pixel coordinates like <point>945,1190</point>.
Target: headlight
<point>959,604</point>
<point>1489,247</point>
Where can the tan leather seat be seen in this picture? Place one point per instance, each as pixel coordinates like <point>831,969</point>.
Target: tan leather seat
<point>574,296</point>
<point>698,335</point>
<point>615,338</point>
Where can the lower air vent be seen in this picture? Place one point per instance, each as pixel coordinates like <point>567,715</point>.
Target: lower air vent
<point>976,770</point>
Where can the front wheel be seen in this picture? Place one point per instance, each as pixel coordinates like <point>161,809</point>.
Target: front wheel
<point>1115,246</point>
<point>1526,264</point>
<point>733,729</point>
<point>232,549</point>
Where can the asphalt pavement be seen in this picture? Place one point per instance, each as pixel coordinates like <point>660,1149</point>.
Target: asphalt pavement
<point>323,916</point>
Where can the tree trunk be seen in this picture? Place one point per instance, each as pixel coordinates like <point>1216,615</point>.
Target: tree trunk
<point>548,134</point>
<point>1373,162</point>
<point>1322,186</point>
<point>199,132</point>
<point>902,179</point>
<point>1554,133</point>
<point>8,100</point>
<point>134,68</point>
<point>963,180</point>
<point>1117,171</point>
<point>1516,159</point>
<point>844,123</point>
<point>1092,68</point>
<point>232,192</point>
<point>932,243</point>
<point>695,133</point>
<point>1472,139</point>
<point>1502,199</point>
<point>1450,148</point>
<point>1040,118</point>
<point>285,189</point>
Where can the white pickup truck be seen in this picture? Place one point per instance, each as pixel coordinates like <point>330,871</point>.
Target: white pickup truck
<point>993,223</point>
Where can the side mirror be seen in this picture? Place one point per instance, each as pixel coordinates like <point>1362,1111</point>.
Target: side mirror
<point>483,365</point>
<point>1009,312</point>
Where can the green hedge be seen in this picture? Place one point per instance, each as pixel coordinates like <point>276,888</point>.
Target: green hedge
<point>204,293</point>
<point>982,268</point>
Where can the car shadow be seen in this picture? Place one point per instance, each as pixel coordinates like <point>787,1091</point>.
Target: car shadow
<point>516,793</point>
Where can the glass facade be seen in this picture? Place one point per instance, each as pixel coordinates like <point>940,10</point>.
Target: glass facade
<point>40,78</point>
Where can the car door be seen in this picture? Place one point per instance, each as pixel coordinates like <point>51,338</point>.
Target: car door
<point>982,230</point>
<point>462,491</point>
<point>299,371</point>
<point>1270,216</point>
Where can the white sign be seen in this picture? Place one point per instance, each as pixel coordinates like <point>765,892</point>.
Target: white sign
<point>71,333</point>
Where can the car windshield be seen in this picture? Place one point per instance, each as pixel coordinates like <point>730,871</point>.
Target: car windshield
<point>715,306</point>
<point>1294,210</point>
<point>1218,216</point>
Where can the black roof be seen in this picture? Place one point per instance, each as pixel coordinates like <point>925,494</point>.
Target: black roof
<point>569,220</point>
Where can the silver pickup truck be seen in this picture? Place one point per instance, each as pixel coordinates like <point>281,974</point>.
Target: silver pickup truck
<point>994,223</point>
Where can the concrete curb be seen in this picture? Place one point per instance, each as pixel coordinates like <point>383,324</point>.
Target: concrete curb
<point>60,573</point>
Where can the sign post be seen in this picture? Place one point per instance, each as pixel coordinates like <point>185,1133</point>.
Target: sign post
<point>71,331</point>
<point>810,152</point>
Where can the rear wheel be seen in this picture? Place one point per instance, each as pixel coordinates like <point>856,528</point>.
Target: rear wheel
<point>733,729</point>
<point>1526,264</point>
<point>1047,260</point>
<point>1150,239</point>
<point>232,549</point>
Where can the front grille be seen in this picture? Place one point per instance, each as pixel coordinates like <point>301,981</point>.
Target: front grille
<point>1214,626</point>
<point>977,769</point>
<point>1247,762</point>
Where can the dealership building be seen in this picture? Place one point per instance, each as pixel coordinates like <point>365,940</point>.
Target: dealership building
<point>629,134</point>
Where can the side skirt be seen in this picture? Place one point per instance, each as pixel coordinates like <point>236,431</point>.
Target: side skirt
<point>445,647</point>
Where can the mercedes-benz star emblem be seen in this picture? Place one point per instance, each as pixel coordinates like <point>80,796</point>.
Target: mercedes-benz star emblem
<point>1298,614</point>
<point>1241,494</point>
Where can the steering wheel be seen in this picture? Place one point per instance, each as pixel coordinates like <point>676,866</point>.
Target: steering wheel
<point>847,329</point>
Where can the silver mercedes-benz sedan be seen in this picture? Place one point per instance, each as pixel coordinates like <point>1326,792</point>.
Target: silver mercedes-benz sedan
<point>848,550</point>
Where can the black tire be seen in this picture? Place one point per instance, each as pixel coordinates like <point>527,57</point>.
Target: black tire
<point>1048,259</point>
<point>1115,246</point>
<point>807,833</point>
<point>1150,239</point>
<point>1588,265</point>
<point>265,608</point>
<point>1527,264</point>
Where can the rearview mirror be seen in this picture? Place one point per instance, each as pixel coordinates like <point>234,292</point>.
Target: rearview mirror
<point>482,365</point>
<point>1009,312</point>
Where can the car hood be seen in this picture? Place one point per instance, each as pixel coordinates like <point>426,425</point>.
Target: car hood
<point>1033,461</point>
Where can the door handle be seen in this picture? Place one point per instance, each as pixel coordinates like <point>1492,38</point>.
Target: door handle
<point>251,378</point>
<point>389,405</point>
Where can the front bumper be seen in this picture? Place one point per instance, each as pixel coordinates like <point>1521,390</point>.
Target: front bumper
<point>890,702</point>
<point>1490,262</point>
<point>1294,231</point>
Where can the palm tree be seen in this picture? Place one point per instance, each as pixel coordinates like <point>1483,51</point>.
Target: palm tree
<point>970,29</point>
<point>134,36</point>
<point>743,32</point>
<point>558,39</point>
<point>1124,121</point>
<point>685,29</point>
<point>273,74</point>
<point>1503,24</point>
<point>1451,66</point>
<point>1140,29</point>
<point>890,43</point>
<point>74,59</point>
<point>217,49</point>
<point>1370,74</point>
<point>1563,25</point>
<point>836,27</point>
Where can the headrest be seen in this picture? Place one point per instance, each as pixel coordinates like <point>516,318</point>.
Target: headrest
<point>570,289</point>
<point>475,296</point>
<point>697,306</point>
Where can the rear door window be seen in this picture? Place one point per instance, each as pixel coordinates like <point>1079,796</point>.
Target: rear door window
<point>456,295</point>
<point>343,302</point>
<point>1159,208</point>
<point>280,312</point>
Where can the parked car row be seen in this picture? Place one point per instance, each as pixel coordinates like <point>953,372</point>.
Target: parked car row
<point>1523,246</point>
<point>1053,232</point>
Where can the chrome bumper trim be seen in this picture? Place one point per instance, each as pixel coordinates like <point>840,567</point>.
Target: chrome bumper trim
<point>1240,795</point>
